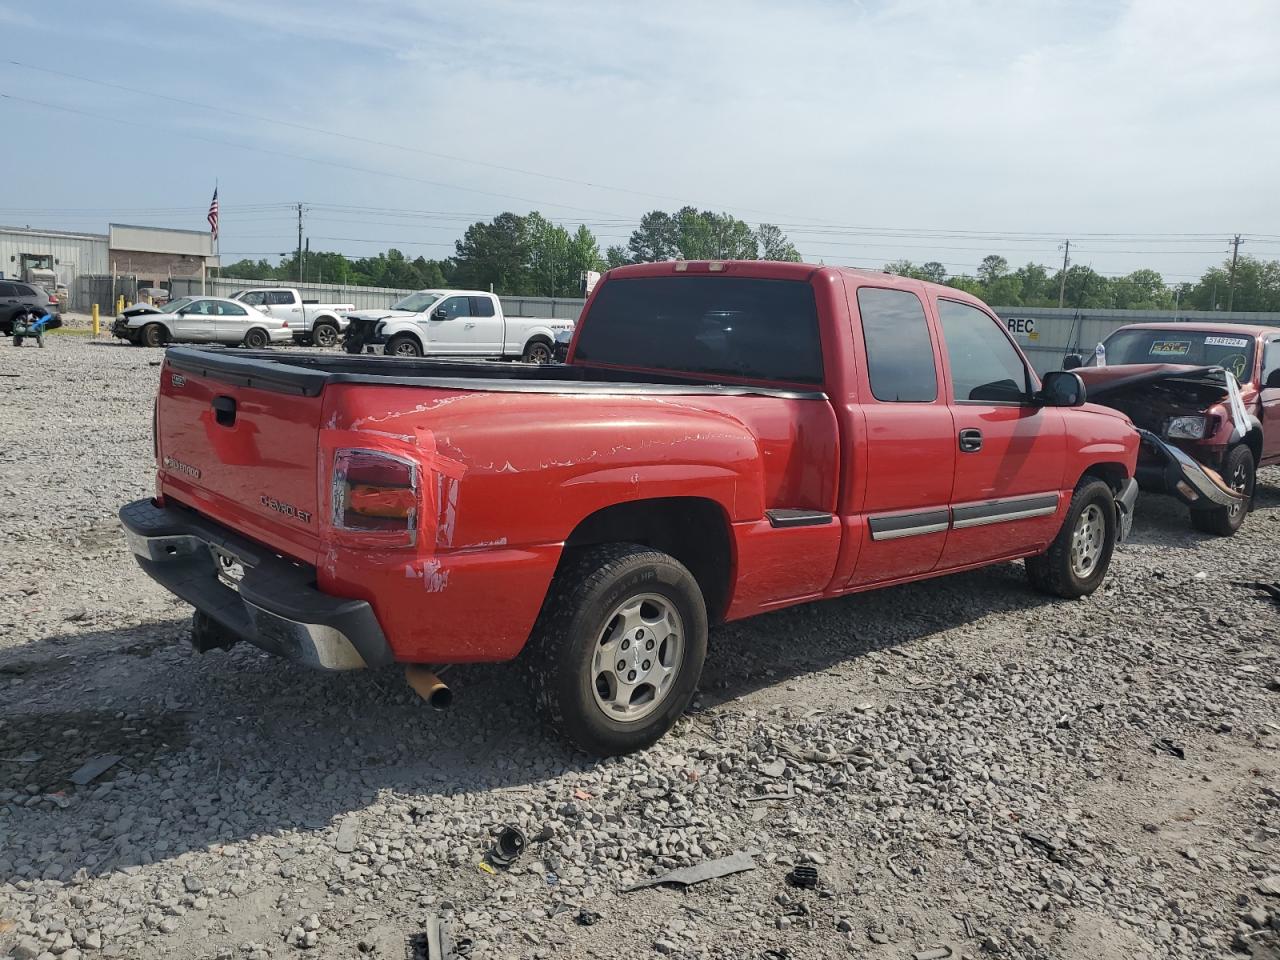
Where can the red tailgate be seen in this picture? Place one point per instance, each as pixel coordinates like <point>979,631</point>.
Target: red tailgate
<point>241,455</point>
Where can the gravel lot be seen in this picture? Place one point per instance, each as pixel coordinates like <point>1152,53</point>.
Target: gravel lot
<point>969,765</point>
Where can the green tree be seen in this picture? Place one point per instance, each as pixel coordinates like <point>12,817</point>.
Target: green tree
<point>1257,286</point>
<point>617,256</point>
<point>967,283</point>
<point>1033,286</point>
<point>1085,287</point>
<point>249,270</point>
<point>1140,290</point>
<point>1004,291</point>
<point>774,245</point>
<point>656,239</point>
<point>584,252</point>
<point>992,268</point>
<point>496,253</point>
<point>551,271</point>
<point>932,271</point>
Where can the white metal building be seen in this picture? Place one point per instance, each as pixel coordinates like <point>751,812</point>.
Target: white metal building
<point>72,253</point>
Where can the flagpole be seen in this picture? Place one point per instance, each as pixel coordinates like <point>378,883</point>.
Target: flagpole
<point>217,237</point>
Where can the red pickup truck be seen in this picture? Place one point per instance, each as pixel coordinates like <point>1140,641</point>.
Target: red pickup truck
<point>725,439</point>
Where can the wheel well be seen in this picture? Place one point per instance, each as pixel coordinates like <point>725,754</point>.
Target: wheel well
<point>692,529</point>
<point>406,333</point>
<point>1253,440</point>
<point>539,338</point>
<point>325,318</point>
<point>1114,474</point>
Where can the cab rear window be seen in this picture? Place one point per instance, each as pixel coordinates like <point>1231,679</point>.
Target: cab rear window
<point>731,326</point>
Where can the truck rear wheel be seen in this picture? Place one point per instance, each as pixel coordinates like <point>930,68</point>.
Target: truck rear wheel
<point>404,345</point>
<point>324,335</point>
<point>1240,473</point>
<point>617,651</point>
<point>1077,560</point>
<point>537,351</point>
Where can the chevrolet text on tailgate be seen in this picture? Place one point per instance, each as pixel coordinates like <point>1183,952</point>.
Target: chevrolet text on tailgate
<point>725,439</point>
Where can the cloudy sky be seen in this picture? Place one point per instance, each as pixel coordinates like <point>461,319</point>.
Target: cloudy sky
<point>1146,131</point>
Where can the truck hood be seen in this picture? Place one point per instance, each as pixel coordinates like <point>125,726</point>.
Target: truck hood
<point>1102,381</point>
<point>381,315</point>
<point>1150,393</point>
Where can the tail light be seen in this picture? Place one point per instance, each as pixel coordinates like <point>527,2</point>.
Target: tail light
<point>375,493</point>
<point>53,298</point>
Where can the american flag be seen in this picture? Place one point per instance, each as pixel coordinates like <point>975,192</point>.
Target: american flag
<point>213,214</point>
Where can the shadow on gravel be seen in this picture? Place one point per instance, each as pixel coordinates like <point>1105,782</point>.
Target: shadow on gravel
<point>218,748</point>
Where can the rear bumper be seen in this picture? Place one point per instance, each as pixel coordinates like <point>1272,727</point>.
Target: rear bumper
<point>277,606</point>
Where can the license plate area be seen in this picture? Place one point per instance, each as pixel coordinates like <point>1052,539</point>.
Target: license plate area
<point>229,567</point>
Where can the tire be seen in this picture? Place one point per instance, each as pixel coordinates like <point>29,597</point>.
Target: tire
<point>1240,473</point>
<point>40,340</point>
<point>537,351</point>
<point>17,340</point>
<point>324,335</point>
<point>256,338</point>
<point>596,595</point>
<point>1076,562</point>
<point>404,345</point>
<point>153,335</point>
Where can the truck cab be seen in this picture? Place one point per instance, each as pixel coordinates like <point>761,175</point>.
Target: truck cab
<point>310,320</point>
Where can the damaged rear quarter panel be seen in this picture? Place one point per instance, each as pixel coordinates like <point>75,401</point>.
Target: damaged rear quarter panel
<point>508,476</point>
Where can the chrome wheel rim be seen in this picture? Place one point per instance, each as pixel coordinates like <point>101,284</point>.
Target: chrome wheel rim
<point>1239,482</point>
<point>1086,541</point>
<point>637,657</point>
<point>539,353</point>
<point>405,349</point>
<point>326,336</point>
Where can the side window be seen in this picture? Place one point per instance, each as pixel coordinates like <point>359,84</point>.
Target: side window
<point>201,308</point>
<point>24,290</point>
<point>8,290</point>
<point>1271,363</point>
<point>899,350</point>
<point>280,298</point>
<point>985,366</point>
<point>481,306</point>
<point>233,310</point>
<point>255,299</point>
<point>456,307</point>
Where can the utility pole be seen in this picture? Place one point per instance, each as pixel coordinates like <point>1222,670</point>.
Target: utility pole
<point>1231,281</point>
<point>299,243</point>
<point>1062,283</point>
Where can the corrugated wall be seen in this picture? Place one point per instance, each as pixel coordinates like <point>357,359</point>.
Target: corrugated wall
<point>75,254</point>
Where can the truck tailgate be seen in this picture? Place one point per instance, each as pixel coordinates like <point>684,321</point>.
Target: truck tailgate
<point>242,455</point>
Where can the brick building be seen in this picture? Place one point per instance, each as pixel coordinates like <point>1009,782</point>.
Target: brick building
<point>154,254</point>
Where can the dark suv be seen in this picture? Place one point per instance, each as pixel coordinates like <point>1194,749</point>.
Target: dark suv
<point>15,296</point>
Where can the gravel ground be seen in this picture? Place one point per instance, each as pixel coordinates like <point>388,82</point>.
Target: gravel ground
<point>968,765</point>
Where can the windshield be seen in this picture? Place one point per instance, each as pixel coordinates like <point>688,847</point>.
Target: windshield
<point>1193,348</point>
<point>173,306</point>
<point>417,302</point>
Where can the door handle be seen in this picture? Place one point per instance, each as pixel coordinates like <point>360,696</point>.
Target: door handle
<point>970,440</point>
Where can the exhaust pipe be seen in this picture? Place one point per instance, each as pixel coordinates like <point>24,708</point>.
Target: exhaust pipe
<point>429,687</point>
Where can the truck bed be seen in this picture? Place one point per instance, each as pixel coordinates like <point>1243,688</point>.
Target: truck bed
<point>307,374</point>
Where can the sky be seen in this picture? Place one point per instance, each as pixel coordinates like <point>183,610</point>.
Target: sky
<point>1144,131</point>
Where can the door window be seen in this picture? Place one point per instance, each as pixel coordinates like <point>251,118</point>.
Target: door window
<point>985,366</point>
<point>1271,362</point>
<point>456,307</point>
<point>481,306</point>
<point>202,308</point>
<point>279,298</point>
<point>8,290</point>
<point>899,351</point>
<point>24,290</point>
<point>255,299</point>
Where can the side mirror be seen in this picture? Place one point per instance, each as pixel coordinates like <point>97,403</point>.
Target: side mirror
<point>439,314</point>
<point>1071,361</point>
<point>1062,388</point>
<point>1273,380</point>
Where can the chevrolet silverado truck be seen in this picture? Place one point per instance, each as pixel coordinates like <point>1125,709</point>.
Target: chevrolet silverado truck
<point>1211,393</point>
<point>310,321</point>
<point>452,323</point>
<point>725,439</point>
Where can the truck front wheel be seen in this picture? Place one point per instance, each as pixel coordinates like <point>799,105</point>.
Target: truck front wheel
<point>616,653</point>
<point>404,345</point>
<point>1240,473</point>
<point>1077,560</point>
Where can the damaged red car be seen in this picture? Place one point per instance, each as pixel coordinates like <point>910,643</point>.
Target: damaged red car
<point>1206,398</point>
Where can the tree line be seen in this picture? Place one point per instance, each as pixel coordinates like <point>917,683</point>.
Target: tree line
<point>529,255</point>
<point>1257,286</point>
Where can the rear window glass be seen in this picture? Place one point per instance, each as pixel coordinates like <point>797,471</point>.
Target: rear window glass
<point>732,326</point>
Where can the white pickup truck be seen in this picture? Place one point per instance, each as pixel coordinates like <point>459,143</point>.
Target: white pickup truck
<point>310,320</point>
<point>452,323</point>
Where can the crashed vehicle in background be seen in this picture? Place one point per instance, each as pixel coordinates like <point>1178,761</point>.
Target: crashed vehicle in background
<point>1204,396</point>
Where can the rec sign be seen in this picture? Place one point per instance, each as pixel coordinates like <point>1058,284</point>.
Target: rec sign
<point>1026,326</point>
